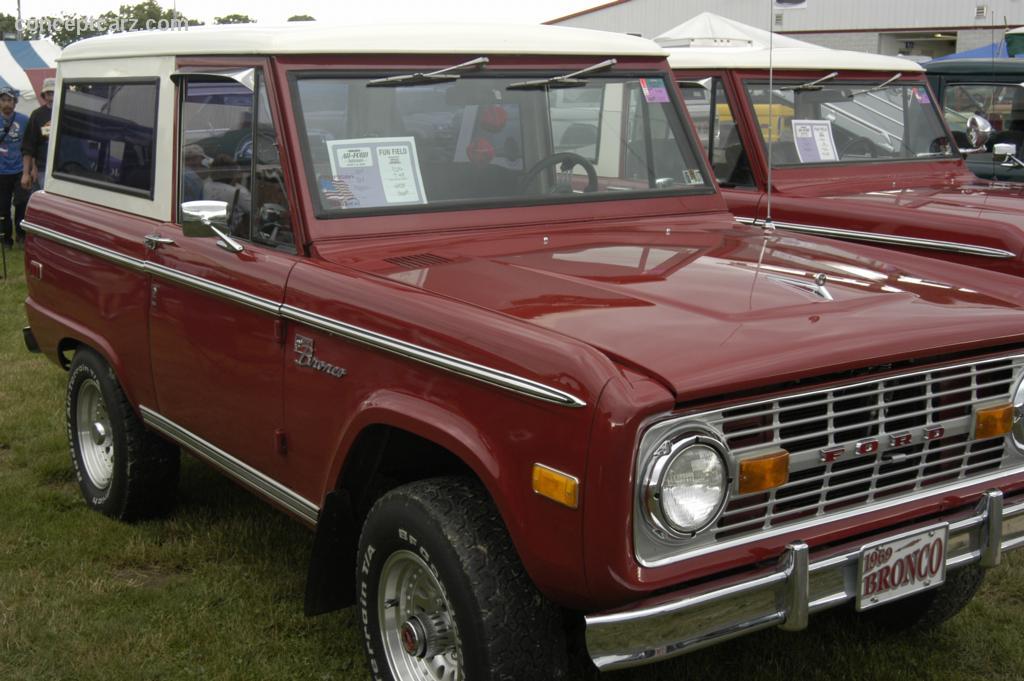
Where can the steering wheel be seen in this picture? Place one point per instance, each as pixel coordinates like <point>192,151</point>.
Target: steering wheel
<point>858,143</point>
<point>566,161</point>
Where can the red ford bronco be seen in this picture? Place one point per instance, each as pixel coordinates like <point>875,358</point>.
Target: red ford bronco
<point>466,301</point>
<point>859,150</point>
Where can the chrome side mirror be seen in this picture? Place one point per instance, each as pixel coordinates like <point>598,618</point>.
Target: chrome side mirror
<point>978,131</point>
<point>201,219</point>
<point>1008,152</point>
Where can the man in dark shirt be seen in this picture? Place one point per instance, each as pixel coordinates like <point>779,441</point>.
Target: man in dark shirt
<point>37,140</point>
<point>12,131</point>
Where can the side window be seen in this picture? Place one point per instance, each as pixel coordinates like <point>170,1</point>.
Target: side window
<point>713,117</point>
<point>229,154</point>
<point>272,223</point>
<point>216,148</point>
<point>107,135</point>
<point>729,159</point>
<point>1002,105</point>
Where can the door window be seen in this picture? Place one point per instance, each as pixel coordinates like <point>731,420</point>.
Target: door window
<point>229,154</point>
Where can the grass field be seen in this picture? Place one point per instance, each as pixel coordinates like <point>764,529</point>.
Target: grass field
<point>215,591</point>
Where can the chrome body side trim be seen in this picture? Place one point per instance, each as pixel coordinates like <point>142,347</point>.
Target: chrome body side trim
<point>495,377</point>
<point>240,471</point>
<point>133,264</point>
<point>688,620</point>
<point>890,239</point>
<point>227,293</point>
<point>478,372</point>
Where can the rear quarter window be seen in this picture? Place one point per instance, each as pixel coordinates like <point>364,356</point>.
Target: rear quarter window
<point>106,135</point>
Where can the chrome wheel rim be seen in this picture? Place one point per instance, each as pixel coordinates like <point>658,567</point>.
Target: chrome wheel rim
<point>95,436</point>
<point>417,627</point>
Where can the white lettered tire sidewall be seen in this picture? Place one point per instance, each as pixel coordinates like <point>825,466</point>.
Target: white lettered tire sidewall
<point>444,537</point>
<point>378,543</point>
<point>86,367</point>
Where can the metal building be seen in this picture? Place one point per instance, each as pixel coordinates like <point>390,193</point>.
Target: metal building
<point>915,28</point>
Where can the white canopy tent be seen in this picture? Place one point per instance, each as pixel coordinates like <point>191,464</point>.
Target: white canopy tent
<point>20,57</point>
<point>710,40</point>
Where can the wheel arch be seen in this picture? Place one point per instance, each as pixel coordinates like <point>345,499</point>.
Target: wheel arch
<point>399,439</point>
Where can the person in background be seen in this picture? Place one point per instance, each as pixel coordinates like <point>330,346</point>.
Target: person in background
<point>37,140</point>
<point>12,132</point>
<point>196,162</point>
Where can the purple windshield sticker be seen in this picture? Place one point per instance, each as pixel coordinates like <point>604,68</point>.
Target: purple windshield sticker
<point>654,90</point>
<point>922,95</point>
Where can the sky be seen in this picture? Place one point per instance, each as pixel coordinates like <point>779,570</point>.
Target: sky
<point>335,11</point>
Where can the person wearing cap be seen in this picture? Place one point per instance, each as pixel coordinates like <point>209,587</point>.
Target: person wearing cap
<point>37,139</point>
<point>12,132</point>
<point>196,161</point>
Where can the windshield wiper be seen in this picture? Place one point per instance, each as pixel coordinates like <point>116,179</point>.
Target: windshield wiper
<point>813,85</point>
<point>439,76</point>
<point>568,80</point>
<point>880,86</point>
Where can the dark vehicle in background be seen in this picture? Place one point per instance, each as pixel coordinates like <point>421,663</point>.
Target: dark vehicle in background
<point>994,90</point>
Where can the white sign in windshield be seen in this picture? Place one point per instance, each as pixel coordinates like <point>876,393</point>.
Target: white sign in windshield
<point>377,171</point>
<point>814,141</point>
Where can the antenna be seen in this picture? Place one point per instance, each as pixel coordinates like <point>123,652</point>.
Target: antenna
<point>769,226</point>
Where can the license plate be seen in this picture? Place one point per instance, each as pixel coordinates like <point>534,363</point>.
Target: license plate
<point>897,567</point>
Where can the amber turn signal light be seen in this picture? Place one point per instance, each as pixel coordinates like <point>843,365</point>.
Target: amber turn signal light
<point>764,472</point>
<point>993,422</point>
<point>556,485</point>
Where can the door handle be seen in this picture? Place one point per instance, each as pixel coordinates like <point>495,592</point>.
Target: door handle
<point>153,241</point>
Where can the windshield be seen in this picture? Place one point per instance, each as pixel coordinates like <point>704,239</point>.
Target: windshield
<point>376,145</point>
<point>844,122</point>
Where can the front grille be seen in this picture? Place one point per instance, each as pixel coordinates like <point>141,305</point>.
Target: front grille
<point>808,424</point>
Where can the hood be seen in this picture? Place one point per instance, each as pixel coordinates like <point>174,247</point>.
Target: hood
<point>958,208</point>
<point>704,304</point>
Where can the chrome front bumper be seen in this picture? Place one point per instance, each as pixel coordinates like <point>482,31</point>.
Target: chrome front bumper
<point>785,596</point>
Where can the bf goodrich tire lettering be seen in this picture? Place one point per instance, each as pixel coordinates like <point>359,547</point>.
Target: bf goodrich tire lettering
<point>442,594</point>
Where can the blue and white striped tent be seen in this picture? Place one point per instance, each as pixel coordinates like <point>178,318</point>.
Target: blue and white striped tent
<point>18,55</point>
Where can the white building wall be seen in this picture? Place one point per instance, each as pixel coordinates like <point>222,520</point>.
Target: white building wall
<point>861,41</point>
<point>652,17</point>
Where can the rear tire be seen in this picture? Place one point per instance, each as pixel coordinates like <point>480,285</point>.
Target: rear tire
<point>124,471</point>
<point>443,595</point>
<point>929,609</point>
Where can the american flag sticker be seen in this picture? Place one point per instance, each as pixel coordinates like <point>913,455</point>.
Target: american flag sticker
<point>336,190</point>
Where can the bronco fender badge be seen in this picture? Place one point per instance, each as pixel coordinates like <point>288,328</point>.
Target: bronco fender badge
<point>304,357</point>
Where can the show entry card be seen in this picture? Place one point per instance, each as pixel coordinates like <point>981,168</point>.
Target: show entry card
<point>375,171</point>
<point>814,141</point>
<point>654,90</point>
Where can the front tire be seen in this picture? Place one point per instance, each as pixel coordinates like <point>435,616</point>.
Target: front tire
<point>931,608</point>
<point>123,470</point>
<point>443,595</point>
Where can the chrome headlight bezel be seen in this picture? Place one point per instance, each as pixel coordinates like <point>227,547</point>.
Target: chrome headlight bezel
<point>668,451</point>
<point>1016,434</point>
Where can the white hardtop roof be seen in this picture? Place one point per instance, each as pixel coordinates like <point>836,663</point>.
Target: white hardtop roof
<point>712,41</point>
<point>318,38</point>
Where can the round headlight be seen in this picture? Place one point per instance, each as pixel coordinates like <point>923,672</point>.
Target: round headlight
<point>1018,417</point>
<point>686,485</point>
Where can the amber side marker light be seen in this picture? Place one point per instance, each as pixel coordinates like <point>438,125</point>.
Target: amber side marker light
<point>556,485</point>
<point>764,472</point>
<point>993,421</point>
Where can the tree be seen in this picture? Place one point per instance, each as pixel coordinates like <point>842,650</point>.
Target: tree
<point>9,23</point>
<point>234,19</point>
<point>301,17</point>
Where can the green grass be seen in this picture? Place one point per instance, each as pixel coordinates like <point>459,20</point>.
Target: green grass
<point>215,591</point>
